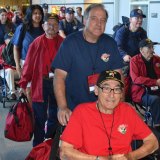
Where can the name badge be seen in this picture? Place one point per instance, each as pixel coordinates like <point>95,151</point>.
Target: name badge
<point>92,80</point>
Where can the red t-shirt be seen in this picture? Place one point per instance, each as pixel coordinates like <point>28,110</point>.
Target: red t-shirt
<point>51,49</point>
<point>86,132</point>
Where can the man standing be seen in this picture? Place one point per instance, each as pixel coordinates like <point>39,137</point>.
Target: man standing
<point>45,10</point>
<point>37,69</point>
<point>79,14</point>
<point>81,57</point>
<point>70,24</point>
<point>145,70</point>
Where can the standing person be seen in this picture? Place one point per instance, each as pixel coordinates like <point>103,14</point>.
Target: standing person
<point>18,17</point>
<point>6,27</point>
<point>82,56</point>
<point>45,9</point>
<point>128,39</point>
<point>33,28</point>
<point>104,130</point>
<point>62,13</point>
<point>79,14</point>
<point>70,24</point>
<point>10,14</point>
<point>36,70</point>
<point>145,70</point>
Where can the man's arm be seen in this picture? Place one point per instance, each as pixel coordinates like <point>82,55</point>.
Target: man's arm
<point>68,152</point>
<point>150,144</point>
<point>60,93</point>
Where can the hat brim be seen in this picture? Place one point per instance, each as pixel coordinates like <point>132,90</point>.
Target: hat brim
<point>122,84</point>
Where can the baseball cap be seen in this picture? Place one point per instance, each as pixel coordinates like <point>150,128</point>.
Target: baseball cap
<point>109,75</point>
<point>63,9</point>
<point>70,10</point>
<point>45,5</point>
<point>137,13</point>
<point>146,43</point>
<point>51,16</point>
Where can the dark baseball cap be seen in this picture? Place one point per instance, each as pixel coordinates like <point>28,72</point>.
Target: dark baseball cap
<point>70,10</point>
<point>45,5</point>
<point>109,75</point>
<point>137,13</point>
<point>51,16</point>
<point>63,9</point>
<point>146,43</point>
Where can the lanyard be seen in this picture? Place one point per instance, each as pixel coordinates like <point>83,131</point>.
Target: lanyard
<point>107,134</point>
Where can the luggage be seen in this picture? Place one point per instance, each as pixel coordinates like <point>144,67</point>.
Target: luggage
<point>19,121</point>
<point>41,151</point>
<point>47,150</point>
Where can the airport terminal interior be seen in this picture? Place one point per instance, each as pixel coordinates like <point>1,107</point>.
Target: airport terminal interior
<point>10,150</point>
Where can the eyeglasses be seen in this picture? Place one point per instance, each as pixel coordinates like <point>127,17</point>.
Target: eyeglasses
<point>116,90</point>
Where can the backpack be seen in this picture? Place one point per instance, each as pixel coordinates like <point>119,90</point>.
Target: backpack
<point>125,23</point>
<point>7,52</point>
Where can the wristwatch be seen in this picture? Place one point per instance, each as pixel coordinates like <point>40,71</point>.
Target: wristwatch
<point>97,158</point>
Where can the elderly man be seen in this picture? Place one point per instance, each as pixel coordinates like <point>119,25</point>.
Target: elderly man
<point>37,69</point>
<point>145,70</point>
<point>103,130</point>
<point>128,38</point>
<point>81,57</point>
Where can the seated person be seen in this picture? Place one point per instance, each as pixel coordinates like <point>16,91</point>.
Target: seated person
<point>104,129</point>
<point>10,71</point>
<point>145,70</point>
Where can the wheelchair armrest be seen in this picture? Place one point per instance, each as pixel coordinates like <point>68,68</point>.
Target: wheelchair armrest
<point>142,85</point>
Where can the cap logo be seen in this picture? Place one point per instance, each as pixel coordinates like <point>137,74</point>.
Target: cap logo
<point>148,41</point>
<point>111,74</point>
<point>139,11</point>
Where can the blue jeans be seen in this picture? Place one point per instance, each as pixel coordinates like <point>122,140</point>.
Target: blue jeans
<point>45,111</point>
<point>154,102</point>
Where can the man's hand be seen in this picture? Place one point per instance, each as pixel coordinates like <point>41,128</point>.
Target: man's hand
<point>127,58</point>
<point>115,157</point>
<point>63,116</point>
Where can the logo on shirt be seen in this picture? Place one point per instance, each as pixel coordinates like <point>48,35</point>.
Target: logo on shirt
<point>158,65</point>
<point>105,57</point>
<point>122,128</point>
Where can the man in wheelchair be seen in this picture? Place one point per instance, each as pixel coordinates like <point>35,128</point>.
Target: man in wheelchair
<point>145,75</point>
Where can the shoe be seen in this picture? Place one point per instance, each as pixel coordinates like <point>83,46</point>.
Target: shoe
<point>13,96</point>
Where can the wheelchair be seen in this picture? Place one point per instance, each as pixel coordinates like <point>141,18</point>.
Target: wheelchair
<point>4,89</point>
<point>145,113</point>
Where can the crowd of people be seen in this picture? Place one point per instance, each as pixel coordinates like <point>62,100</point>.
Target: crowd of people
<point>74,74</point>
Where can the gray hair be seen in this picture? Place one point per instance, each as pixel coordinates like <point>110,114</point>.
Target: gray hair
<point>92,6</point>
